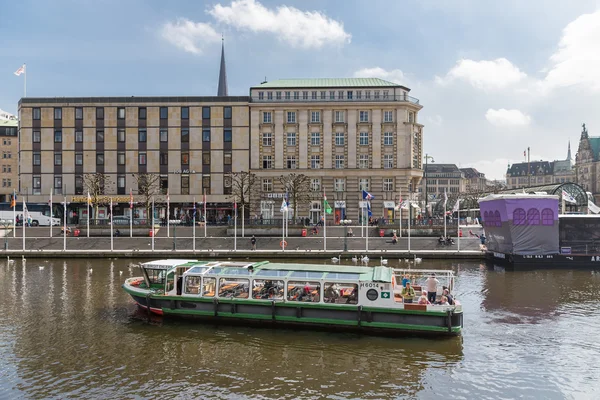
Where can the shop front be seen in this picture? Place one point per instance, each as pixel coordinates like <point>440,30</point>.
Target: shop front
<point>339,211</point>
<point>388,210</point>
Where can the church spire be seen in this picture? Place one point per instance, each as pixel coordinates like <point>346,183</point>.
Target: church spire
<point>569,152</point>
<point>222,90</point>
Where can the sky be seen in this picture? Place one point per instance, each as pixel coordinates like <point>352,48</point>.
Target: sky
<point>493,77</point>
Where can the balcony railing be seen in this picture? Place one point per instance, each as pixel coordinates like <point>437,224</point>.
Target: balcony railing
<point>399,98</point>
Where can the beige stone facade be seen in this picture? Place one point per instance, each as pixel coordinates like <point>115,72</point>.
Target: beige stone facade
<point>346,135</point>
<point>9,148</point>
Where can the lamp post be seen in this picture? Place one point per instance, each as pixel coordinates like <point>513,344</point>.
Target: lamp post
<point>427,158</point>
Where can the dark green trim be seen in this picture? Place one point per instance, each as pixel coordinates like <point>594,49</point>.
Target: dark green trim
<point>403,311</point>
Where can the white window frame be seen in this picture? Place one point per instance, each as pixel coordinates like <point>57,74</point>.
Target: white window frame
<point>339,185</point>
<point>388,116</point>
<point>363,184</point>
<point>364,116</point>
<point>315,161</point>
<point>363,161</point>
<point>388,138</point>
<point>291,162</point>
<point>315,117</point>
<point>339,116</point>
<point>267,117</point>
<point>339,161</point>
<point>269,160</point>
<point>291,117</point>
<point>340,138</point>
<point>363,138</point>
<point>388,161</point>
<point>267,185</point>
<point>315,184</point>
<point>388,184</point>
<point>291,139</point>
<point>267,138</point>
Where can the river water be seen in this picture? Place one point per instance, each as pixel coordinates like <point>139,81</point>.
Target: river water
<point>69,331</point>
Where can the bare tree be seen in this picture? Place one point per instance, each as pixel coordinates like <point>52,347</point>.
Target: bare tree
<point>243,187</point>
<point>96,184</point>
<point>298,189</point>
<point>148,187</point>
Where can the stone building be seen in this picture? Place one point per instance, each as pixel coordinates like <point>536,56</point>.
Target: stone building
<point>537,173</point>
<point>587,162</point>
<point>9,147</point>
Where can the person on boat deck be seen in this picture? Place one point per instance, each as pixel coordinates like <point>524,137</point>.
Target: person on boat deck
<point>253,242</point>
<point>432,284</point>
<point>408,293</point>
<point>444,301</point>
<point>394,238</point>
<point>423,299</point>
<point>350,233</point>
<point>448,296</point>
<point>405,280</point>
<point>353,297</point>
<point>331,293</point>
<point>304,292</point>
<point>441,240</point>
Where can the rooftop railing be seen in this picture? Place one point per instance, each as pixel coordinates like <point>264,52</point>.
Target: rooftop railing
<point>362,99</point>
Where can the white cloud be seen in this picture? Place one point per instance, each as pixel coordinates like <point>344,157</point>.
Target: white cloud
<point>486,75</point>
<point>394,75</point>
<point>504,117</point>
<point>493,169</point>
<point>305,29</point>
<point>189,35</point>
<point>435,120</point>
<point>577,60</point>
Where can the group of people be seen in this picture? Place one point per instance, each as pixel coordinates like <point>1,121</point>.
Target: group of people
<point>445,240</point>
<point>21,221</point>
<point>428,297</point>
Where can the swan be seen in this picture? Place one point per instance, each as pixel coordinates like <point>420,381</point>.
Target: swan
<point>383,261</point>
<point>90,271</point>
<point>418,260</point>
<point>120,272</point>
<point>41,267</point>
<point>337,259</point>
<point>365,259</point>
<point>355,259</point>
<point>406,260</point>
<point>9,261</point>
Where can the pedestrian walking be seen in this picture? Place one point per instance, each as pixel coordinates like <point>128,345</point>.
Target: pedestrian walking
<point>253,242</point>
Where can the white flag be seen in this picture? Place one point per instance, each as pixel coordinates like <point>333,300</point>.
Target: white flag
<point>593,208</point>
<point>456,206</point>
<point>568,198</point>
<point>20,71</point>
<point>284,206</point>
<point>445,198</point>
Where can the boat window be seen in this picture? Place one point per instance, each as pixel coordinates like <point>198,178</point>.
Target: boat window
<point>197,270</point>
<point>341,293</point>
<point>208,287</point>
<point>234,287</point>
<point>340,275</point>
<point>192,284</point>
<point>215,271</point>
<point>306,274</point>
<point>304,291</point>
<point>170,282</point>
<point>267,289</point>
<point>270,272</point>
<point>235,271</point>
<point>156,275</point>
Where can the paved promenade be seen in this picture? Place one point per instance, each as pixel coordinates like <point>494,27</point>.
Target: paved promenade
<point>39,244</point>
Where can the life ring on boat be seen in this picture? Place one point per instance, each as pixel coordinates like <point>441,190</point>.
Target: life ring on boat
<point>283,244</point>
<point>393,282</point>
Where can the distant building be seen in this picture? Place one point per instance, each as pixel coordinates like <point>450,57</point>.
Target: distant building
<point>441,178</point>
<point>536,173</point>
<point>9,147</point>
<point>475,180</point>
<point>588,163</point>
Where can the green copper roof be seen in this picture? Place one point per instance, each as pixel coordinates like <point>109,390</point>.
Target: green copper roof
<point>327,82</point>
<point>595,145</point>
<point>9,122</point>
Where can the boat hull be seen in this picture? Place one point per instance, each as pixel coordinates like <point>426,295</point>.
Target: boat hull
<point>546,261</point>
<point>393,322</point>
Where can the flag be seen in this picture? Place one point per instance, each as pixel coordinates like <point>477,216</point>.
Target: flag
<point>130,198</point>
<point>287,199</point>
<point>445,198</point>
<point>13,201</point>
<point>284,206</point>
<point>168,206</point>
<point>593,208</point>
<point>367,196</point>
<point>524,153</point>
<point>568,198</point>
<point>326,205</point>
<point>235,206</point>
<point>25,212</point>
<point>369,213</point>
<point>89,199</point>
<point>456,206</point>
<point>194,210</point>
<point>20,71</point>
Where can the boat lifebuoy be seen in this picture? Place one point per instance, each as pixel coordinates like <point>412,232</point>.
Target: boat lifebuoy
<point>393,281</point>
<point>283,244</point>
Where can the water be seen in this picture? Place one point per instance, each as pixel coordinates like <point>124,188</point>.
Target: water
<point>69,331</point>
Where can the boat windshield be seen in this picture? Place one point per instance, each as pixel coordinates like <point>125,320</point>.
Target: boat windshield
<point>271,272</point>
<point>197,270</point>
<point>340,275</point>
<point>306,274</point>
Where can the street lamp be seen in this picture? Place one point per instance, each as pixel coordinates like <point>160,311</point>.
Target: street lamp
<point>427,158</point>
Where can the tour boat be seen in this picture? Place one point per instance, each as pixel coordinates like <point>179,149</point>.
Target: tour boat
<point>346,298</point>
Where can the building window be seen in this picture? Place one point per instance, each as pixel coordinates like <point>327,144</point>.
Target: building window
<point>261,95</point>
<point>142,113</point>
<point>121,158</point>
<point>376,94</point>
<point>349,95</point>
<point>291,162</point>
<point>363,161</point>
<point>269,95</point>
<point>388,116</point>
<point>388,161</point>
<point>164,158</point>
<point>185,135</point>
<point>296,95</point>
<point>37,114</point>
<point>227,189</point>
<point>37,137</point>
<point>363,184</point>
<point>339,138</point>
<point>339,116</point>
<point>205,112</point>
<point>78,184</point>
<point>141,135</point>
<point>388,184</point>
<point>227,135</point>
<point>364,138</point>
<point>359,94</point>
<point>315,161</point>
<point>206,158</point>
<point>339,161</point>
<point>121,113</point>
<point>291,138</point>
<point>388,138</point>
<point>121,135</point>
<point>37,184</point>
<point>57,136</point>
<point>315,116</point>
<point>278,95</point>
<point>57,159</point>
<point>206,184</point>
<point>288,95</point>
<point>58,113</point>
<point>164,135</point>
<point>267,117</point>
<point>206,135</point>
<point>99,158</point>
<point>37,158</point>
<point>121,184</point>
<point>227,112</point>
<point>367,94</point>
<point>99,136</point>
<point>331,95</point>
<point>78,113</point>
<point>266,139</point>
<point>291,117</point>
<point>185,113</point>
<point>315,184</point>
<point>314,95</point>
<point>315,138</point>
<point>99,113</point>
<point>185,158</point>
<point>340,94</point>
<point>227,157</point>
<point>339,184</point>
<point>533,216</point>
<point>58,184</point>
<point>142,158</point>
<point>79,136</point>
<point>185,184</point>
<point>267,185</point>
<point>164,112</point>
<point>323,95</point>
<point>411,117</point>
<point>364,116</point>
<point>305,95</point>
<point>386,94</point>
<point>164,184</point>
<point>267,162</point>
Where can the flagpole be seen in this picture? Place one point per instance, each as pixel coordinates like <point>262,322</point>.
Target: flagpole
<point>24,221</point>
<point>65,223</point>
<point>458,225</point>
<point>367,233</point>
<point>14,213</point>
<point>89,214</point>
<point>243,215</point>
<point>445,211</point>
<point>50,212</point>
<point>400,218</point>
<point>168,214</point>
<point>194,228</point>
<point>235,225</point>
<point>324,223</point>
<point>111,225</point>
<point>130,212</point>
<point>205,219</point>
<point>409,218</point>
<point>152,227</point>
<point>25,81</point>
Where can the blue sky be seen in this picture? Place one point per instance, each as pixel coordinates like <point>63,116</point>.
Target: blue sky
<point>493,77</point>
